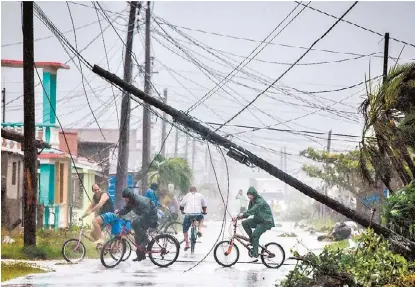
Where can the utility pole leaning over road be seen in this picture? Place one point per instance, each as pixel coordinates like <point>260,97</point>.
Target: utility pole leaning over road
<point>146,106</point>
<point>123,147</point>
<point>163,127</point>
<point>246,157</point>
<point>29,143</point>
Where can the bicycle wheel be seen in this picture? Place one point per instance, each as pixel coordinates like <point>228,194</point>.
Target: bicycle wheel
<point>164,250</point>
<point>73,246</point>
<point>193,238</point>
<point>175,228</point>
<point>230,256</point>
<point>115,248</point>
<point>128,250</point>
<point>277,256</point>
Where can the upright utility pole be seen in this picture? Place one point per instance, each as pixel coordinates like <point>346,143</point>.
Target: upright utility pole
<point>29,143</point>
<point>285,168</point>
<point>176,143</point>
<point>324,208</point>
<point>123,147</point>
<point>3,100</point>
<point>385,57</point>
<point>146,106</point>
<point>186,148</point>
<point>193,155</point>
<point>163,127</point>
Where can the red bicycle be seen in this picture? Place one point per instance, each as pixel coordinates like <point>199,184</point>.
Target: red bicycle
<point>163,249</point>
<point>272,254</point>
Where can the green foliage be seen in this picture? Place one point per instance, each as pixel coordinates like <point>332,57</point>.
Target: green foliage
<point>48,246</point>
<point>17,269</point>
<point>173,170</point>
<point>341,169</point>
<point>371,264</point>
<point>399,212</point>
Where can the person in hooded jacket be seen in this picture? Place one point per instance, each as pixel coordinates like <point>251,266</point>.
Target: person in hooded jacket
<point>262,220</point>
<point>146,212</point>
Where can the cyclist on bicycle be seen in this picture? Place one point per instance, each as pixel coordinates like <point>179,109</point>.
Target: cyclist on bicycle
<point>194,206</point>
<point>261,222</point>
<point>150,193</point>
<point>101,204</point>
<point>146,212</point>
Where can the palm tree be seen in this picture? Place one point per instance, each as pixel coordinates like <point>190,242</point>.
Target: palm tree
<point>173,170</point>
<point>389,115</point>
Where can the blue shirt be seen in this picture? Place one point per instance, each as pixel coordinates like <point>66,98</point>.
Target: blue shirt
<point>150,194</point>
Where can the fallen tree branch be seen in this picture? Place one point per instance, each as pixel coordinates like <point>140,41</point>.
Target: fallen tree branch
<point>18,137</point>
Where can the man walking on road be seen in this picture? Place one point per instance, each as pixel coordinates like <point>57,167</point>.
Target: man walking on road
<point>243,201</point>
<point>261,222</point>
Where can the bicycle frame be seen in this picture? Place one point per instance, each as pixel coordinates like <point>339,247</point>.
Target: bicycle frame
<point>126,235</point>
<point>241,239</point>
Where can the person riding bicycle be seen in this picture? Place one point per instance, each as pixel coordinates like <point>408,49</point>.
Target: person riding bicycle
<point>194,206</point>
<point>150,193</point>
<point>101,204</point>
<point>146,212</point>
<point>261,222</point>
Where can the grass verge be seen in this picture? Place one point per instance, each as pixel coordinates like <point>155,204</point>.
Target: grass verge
<point>14,270</point>
<point>48,246</point>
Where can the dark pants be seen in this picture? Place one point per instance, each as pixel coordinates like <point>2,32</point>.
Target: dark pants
<point>260,228</point>
<point>140,225</point>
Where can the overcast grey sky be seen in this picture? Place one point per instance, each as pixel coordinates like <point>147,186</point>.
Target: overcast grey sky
<point>249,20</point>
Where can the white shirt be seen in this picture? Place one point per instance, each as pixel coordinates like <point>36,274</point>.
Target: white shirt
<point>193,202</point>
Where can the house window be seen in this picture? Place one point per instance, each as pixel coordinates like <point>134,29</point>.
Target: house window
<point>77,194</point>
<point>14,173</point>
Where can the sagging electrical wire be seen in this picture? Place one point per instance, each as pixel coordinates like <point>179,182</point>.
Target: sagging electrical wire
<point>292,66</point>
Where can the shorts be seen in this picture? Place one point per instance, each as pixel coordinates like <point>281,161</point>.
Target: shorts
<point>187,220</point>
<point>116,223</point>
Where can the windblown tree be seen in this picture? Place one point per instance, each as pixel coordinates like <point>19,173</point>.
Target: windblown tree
<point>339,170</point>
<point>388,133</point>
<point>173,170</point>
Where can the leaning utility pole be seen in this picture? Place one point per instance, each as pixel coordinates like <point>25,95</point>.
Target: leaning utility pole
<point>163,127</point>
<point>246,157</point>
<point>385,57</point>
<point>123,147</point>
<point>146,106</point>
<point>29,143</point>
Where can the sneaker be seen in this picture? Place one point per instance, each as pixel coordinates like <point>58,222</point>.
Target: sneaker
<point>186,248</point>
<point>140,256</point>
<point>199,234</point>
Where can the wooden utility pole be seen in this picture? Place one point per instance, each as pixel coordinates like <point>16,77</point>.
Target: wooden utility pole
<point>323,207</point>
<point>3,100</point>
<point>176,143</point>
<point>193,155</point>
<point>123,147</point>
<point>146,106</point>
<point>385,57</point>
<point>163,127</point>
<point>29,144</point>
<point>186,147</point>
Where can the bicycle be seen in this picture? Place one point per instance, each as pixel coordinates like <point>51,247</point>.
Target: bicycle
<point>265,250</point>
<point>169,225</point>
<point>120,242</point>
<point>194,224</point>
<point>79,245</point>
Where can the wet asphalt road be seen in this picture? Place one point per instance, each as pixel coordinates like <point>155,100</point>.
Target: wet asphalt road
<point>208,273</point>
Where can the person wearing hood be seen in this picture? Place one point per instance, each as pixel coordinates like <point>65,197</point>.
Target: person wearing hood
<point>262,219</point>
<point>146,212</point>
